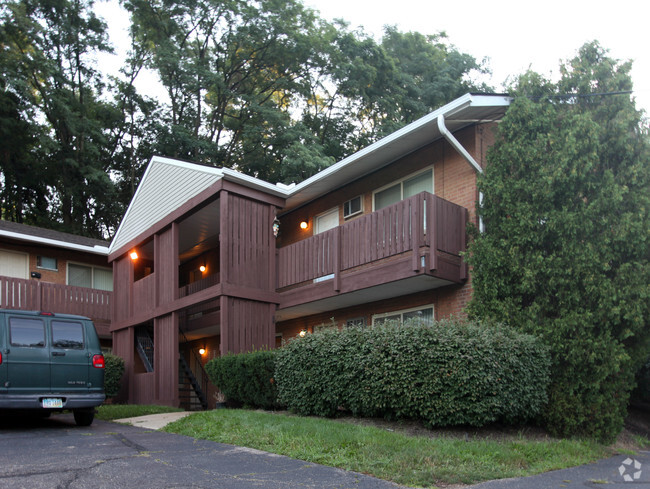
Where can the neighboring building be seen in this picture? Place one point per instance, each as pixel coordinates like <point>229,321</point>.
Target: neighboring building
<point>377,236</point>
<point>42,269</point>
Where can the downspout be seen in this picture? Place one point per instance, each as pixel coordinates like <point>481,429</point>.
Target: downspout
<point>465,154</point>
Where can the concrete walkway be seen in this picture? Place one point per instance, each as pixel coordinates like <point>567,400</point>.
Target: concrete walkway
<point>153,421</point>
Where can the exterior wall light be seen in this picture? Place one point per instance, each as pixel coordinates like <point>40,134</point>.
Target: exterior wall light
<point>202,268</point>
<point>201,351</point>
<point>133,255</point>
<point>302,333</point>
<point>304,225</point>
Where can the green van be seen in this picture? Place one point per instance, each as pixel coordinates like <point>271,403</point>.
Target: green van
<point>50,362</point>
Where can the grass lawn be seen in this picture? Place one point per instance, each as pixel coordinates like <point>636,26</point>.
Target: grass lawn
<point>416,461</point>
<point>109,412</point>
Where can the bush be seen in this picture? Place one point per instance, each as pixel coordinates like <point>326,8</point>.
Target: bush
<point>246,378</point>
<point>114,369</point>
<point>448,373</point>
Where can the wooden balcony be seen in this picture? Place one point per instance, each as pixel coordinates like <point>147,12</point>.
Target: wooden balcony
<point>32,295</point>
<point>419,237</point>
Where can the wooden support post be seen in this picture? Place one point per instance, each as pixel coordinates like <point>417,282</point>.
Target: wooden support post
<point>416,231</point>
<point>337,258</point>
<point>432,221</point>
<point>463,244</point>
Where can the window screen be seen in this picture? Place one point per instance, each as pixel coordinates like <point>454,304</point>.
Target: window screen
<point>80,276</point>
<point>388,196</point>
<point>67,334</point>
<point>103,279</point>
<point>46,263</point>
<point>419,183</point>
<point>26,332</point>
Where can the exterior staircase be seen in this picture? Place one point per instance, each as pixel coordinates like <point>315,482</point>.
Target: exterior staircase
<point>190,391</point>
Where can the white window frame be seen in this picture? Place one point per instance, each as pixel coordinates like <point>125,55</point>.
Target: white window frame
<point>401,183</point>
<point>354,320</point>
<point>41,267</point>
<point>401,312</point>
<point>92,273</point>
<point>360,211</point>
<point>333,210</point>
<point>23,254</point>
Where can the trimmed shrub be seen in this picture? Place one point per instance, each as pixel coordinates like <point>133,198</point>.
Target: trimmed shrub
<point>246,378</point>
<point>113,371</point>
<point>448,373</point>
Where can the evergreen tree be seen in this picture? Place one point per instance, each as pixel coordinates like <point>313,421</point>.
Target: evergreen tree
<point>566,250</point>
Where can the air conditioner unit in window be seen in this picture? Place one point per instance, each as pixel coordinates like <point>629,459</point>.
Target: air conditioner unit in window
<point>352,207</point>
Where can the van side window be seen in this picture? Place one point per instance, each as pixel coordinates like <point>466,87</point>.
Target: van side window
<point>67,334</point>
<point>26,332</point>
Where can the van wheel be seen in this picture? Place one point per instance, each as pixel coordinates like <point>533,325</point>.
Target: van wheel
<point>84,417</point>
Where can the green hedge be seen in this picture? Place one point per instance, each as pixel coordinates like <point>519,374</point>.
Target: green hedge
<point>246,378</point>
<point>448,373</point>
<point>114,369</point>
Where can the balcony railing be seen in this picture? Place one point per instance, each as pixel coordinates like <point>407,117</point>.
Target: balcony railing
<point>423,220</point>
<point>33,295</point>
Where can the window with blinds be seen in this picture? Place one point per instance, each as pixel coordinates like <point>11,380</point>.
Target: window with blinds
<point>410,186</point>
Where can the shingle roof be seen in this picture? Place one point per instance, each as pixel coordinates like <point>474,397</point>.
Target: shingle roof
<point>24,232</point>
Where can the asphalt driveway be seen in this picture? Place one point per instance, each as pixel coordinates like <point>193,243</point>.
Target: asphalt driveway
<point>54,453</point>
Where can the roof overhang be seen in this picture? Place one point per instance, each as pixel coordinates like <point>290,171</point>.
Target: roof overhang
<point>98,250</point>
<point>462,112</point>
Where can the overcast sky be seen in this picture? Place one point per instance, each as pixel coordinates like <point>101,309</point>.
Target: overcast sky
<point>514,34</point>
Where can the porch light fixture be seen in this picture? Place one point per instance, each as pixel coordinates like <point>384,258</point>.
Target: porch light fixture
<point>133,255</point>
<point>201,351</point>
<point>202,268</point>
<point>302,333</point>
<point>304,225</point>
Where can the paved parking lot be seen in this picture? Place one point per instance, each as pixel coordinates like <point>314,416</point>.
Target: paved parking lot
<point>54,453</point>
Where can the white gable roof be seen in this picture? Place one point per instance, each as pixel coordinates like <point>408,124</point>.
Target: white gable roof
<point>165,186</point>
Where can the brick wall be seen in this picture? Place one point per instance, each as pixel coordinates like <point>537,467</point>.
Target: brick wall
<point>62,256</point>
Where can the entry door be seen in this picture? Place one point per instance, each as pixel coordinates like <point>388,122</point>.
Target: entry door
<point>13,264</point>
<point>323,223</point>
<point>326,221</point>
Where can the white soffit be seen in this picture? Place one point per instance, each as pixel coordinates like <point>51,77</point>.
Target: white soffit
<point>166,185</point>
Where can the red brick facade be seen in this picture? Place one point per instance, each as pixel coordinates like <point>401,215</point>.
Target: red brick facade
<point>454,180</point>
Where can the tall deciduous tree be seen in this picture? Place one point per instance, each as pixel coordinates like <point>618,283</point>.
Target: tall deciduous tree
<point>566,250</point>
<point>50,46</point>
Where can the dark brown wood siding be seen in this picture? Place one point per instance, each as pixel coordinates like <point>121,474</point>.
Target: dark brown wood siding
<point>246,325</point>
<point>249,244</point>
<point>122,284</point>
<point>167,265</point>
<point>166,359</point>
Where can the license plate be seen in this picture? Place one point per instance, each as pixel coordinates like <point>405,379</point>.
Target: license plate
<point>52,403</point>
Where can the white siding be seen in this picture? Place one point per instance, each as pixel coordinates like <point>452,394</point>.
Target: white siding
<point>165,186</point>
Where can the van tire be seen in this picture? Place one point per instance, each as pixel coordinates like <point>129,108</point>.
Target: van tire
<point>84,417</point>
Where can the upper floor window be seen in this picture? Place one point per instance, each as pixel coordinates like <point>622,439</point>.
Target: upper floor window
<point>89,276</point>
<point>352,207</point>
<point>46,263</point>
<point>408,187</point>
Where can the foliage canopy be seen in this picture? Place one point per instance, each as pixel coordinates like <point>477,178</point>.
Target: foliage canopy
<point>566,250</point>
